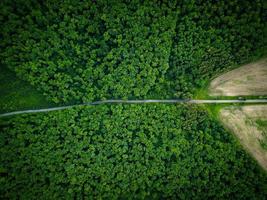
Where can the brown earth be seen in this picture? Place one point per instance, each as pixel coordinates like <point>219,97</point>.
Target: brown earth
<point>242,122</point>
<point>250,79</point>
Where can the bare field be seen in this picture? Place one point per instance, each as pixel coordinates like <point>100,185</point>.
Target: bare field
<point>250,79</point>
<point>242,122</point>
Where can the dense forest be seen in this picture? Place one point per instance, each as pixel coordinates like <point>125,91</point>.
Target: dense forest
<point>80,51</point>
<point>131,151</point>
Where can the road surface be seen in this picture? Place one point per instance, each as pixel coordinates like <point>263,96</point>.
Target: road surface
<point>189,101</point>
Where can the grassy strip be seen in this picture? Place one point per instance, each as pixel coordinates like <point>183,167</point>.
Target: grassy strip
<point>214,109</point>
<point>262,125</point>
<point>16,94</point>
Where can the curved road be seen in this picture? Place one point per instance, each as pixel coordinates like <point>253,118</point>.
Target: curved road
<point>190,101</point>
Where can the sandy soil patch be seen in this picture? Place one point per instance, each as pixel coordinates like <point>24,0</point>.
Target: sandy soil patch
<point>250,79</point>
<point>242,122</point>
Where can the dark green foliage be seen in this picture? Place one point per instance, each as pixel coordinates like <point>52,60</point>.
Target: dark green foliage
<point>133,151</point>
<point>82,51</point>
<point>262,123</point>
<point>18,95</point>
<point>212,36</point>
<point>90,50</point>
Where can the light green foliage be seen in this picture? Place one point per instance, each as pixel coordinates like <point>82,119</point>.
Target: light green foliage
<point>262,125</point>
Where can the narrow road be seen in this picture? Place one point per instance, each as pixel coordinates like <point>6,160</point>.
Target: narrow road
<point>189,101</point>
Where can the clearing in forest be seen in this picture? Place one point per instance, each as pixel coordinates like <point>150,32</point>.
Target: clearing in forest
<point>250,79</point>
<point>249,124</point>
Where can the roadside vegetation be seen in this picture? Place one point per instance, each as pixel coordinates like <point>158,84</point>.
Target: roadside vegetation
<point>81,51</point>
